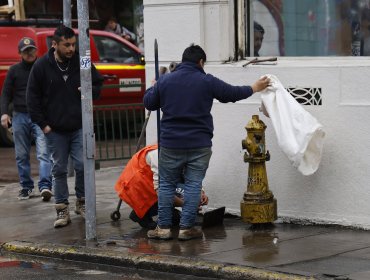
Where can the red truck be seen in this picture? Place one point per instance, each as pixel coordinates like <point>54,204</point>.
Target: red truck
<point>118,61</point>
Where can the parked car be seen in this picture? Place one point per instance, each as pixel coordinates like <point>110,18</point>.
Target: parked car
<point>118,61</point>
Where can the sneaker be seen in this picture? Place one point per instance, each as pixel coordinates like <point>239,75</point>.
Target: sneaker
<point>46,194</point>
<point>145,222</point>
<point>190,233</point>
<point>160,233</point>
<point>80,207</point>
<point>63,217</point>
<point>24,194</point>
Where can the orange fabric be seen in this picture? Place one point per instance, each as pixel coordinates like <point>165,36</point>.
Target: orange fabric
<point>135,184</point>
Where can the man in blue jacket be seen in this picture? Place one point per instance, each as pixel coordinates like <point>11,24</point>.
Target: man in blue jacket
<point>54,103</point>
<point>185,97</point>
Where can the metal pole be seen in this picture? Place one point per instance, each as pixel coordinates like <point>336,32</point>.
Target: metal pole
<point>156,66</point>
<point>67,22</point>
<point>67,13</point>
<point>87,118</point>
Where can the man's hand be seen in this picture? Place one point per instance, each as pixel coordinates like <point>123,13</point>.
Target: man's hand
<point>177,201</point>
<point>46,129</point>
<point>261,84</point>
<point>127,36</point>
<point>203,198</point>
<point>5,120</point>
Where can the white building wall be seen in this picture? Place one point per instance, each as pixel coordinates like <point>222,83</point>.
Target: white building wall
<point>339,192</point>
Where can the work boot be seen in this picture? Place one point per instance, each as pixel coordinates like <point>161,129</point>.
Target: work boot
<point>189,233</point>
<point>80,207</point>
<point>160,233</point>
<point>46,194</point>
<point>63,217</point>
<point>145,222</point>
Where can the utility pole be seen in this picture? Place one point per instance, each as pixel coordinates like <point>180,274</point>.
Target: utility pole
<point>67,13</point>
<point>67,21</point>
<point>87,118</point>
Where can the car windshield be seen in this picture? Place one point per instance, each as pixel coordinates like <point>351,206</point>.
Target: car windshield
<point>111,50</point>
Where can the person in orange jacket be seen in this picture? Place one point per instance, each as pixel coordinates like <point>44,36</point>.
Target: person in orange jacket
<point>137,186</point>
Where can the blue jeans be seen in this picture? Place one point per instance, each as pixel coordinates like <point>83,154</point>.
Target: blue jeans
<point>61,146</point>
<point>176,165</point>
<point>23,131</point>
<point>153,211</point>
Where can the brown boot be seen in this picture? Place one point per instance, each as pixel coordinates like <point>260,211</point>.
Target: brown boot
<point>160,233</point>
<point>63,217</point>
<point>189,233</point>
<point>80,207</point>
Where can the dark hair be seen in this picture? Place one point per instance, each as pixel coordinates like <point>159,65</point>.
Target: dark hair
<point>258,27</point>
<point>194,53</point>
<point>112,18</point>
<point>63,31</point>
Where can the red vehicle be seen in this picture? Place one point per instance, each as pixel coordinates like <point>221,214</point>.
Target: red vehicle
<point>118,61</point>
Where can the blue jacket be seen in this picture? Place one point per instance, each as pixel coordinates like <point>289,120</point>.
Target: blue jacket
<point>185,97</point>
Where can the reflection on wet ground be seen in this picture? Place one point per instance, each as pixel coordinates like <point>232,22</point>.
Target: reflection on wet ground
<point>30,267</point>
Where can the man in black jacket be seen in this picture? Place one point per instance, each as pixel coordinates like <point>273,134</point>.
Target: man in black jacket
<point>54,103</point>
<point>14,90</point>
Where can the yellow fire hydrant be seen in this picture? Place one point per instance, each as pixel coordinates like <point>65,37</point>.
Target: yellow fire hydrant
<point>258,205</point>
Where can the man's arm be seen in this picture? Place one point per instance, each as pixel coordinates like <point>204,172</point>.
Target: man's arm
<point>225,92</point>
<point>97,82</point>
<point>34,97</point>
<point>7,97</point>
<point>151,98</point>
<point>127,34</point>
<point>7,92</point>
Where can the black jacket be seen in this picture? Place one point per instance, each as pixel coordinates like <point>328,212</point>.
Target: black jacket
<point>14,88</point>
<point>54,101</point>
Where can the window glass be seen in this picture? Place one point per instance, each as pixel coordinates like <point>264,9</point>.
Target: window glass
<point>310,27</point>
<point>111,50</point>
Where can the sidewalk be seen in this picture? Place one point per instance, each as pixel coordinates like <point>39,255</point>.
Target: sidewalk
<point>231,251</point>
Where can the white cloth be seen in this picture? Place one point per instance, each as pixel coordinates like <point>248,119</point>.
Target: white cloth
<point>300,136</point>
<point>151,159</point>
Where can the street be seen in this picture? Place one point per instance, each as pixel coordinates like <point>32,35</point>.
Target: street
<point>32,268</point>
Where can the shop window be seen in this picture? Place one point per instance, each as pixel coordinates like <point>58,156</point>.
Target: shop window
<point>308,27</point>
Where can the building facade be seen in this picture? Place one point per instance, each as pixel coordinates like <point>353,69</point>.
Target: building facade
<point>321,58</point>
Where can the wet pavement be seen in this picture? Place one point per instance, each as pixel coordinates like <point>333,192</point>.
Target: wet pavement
<point>234,250</point>
<point>35,268</point>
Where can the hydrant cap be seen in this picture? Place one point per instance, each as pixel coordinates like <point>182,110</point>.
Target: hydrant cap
<point>255,124</point>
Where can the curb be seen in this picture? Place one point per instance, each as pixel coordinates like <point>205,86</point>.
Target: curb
<point>161,263</point>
